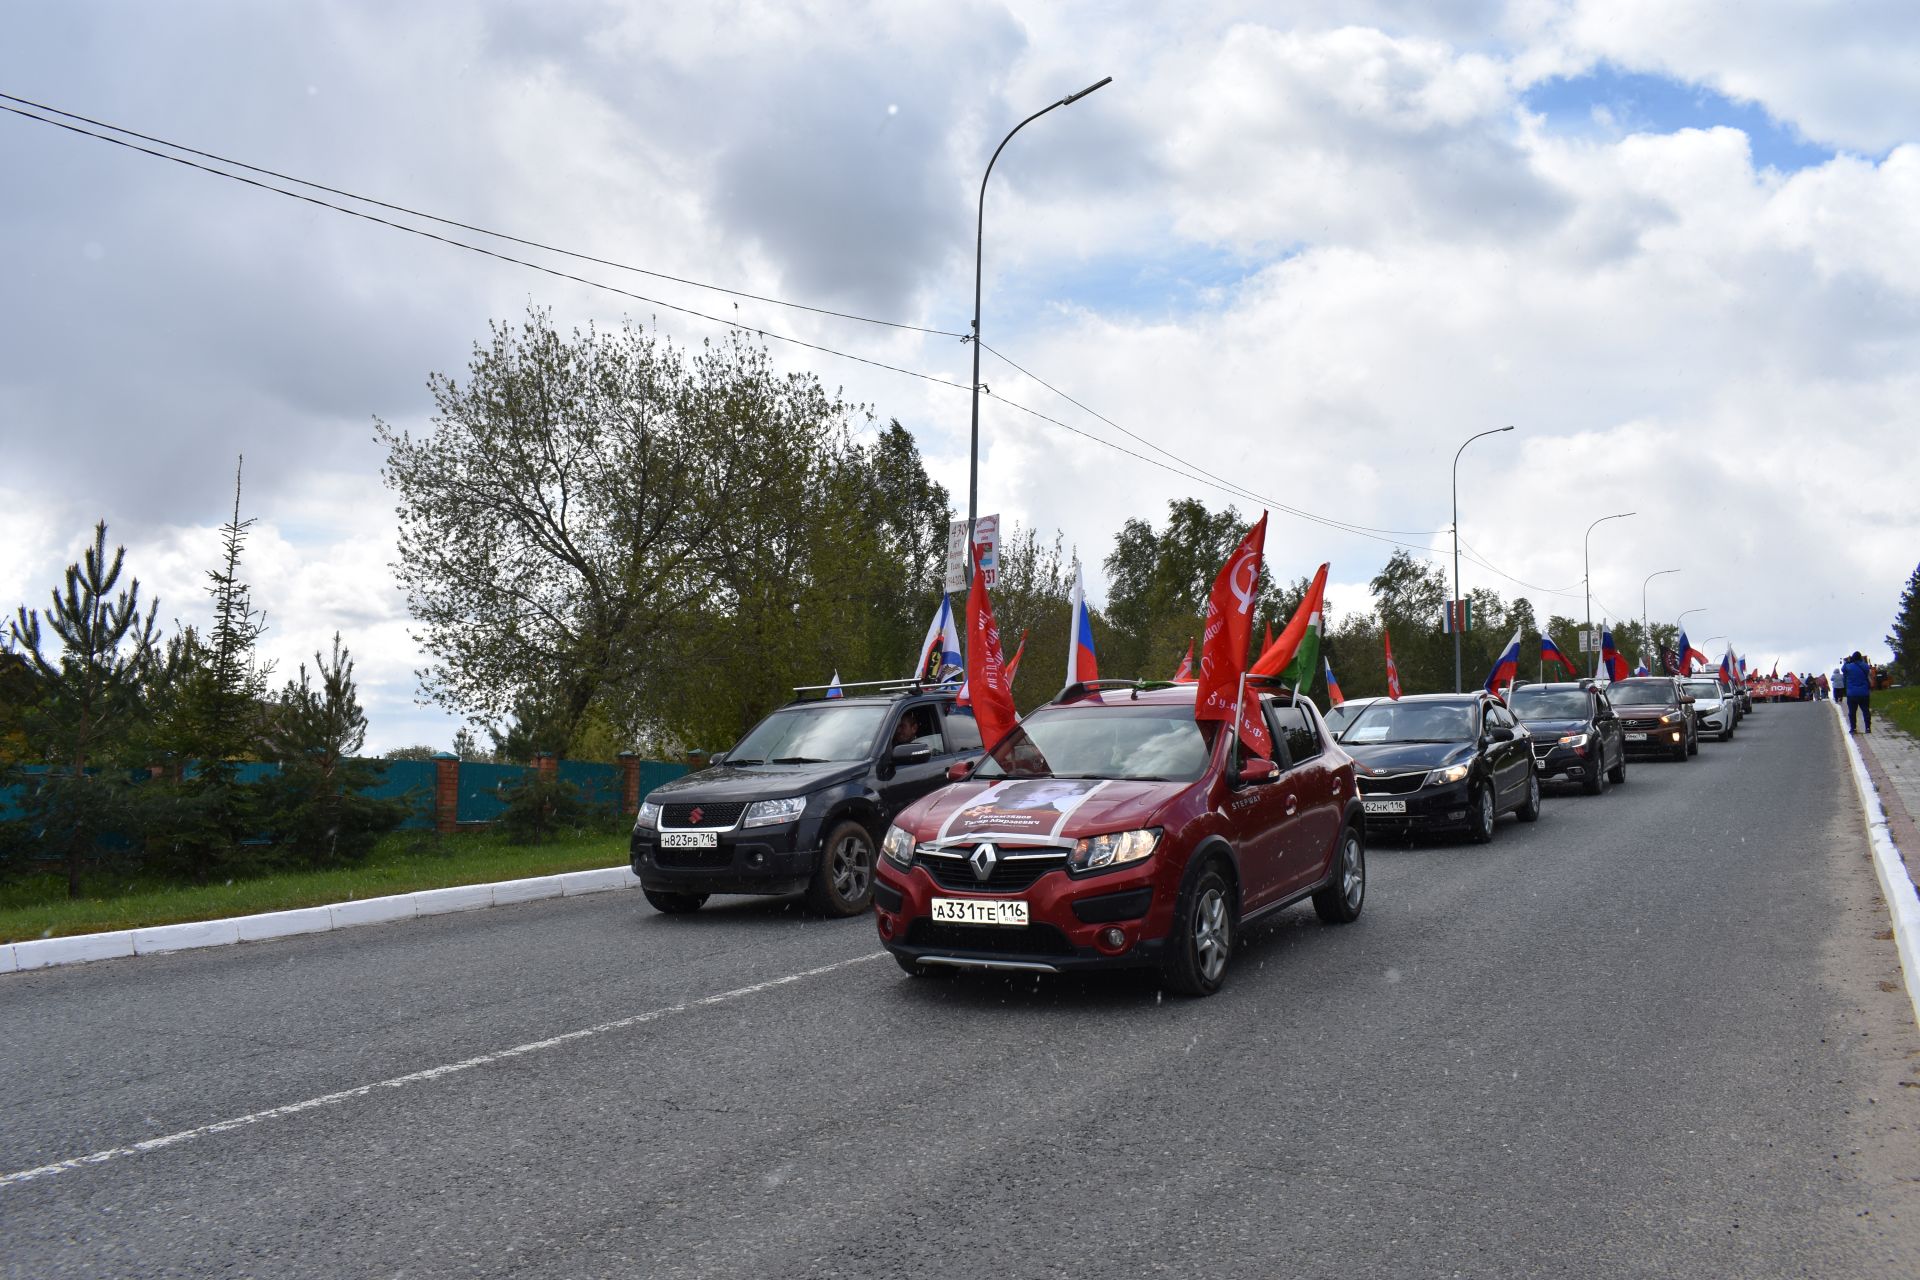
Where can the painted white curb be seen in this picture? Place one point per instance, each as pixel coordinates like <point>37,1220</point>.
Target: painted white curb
<point>44,953</point>
<point>1895,884</point>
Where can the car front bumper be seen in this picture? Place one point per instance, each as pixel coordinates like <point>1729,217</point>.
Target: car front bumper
<point>1445,807</point>
<point>757,860</point>
<point>1576,764</point>
<point>1658,742</point>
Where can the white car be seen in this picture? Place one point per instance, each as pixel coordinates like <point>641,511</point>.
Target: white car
<point>1338,718</point>
<point>1713,708</point>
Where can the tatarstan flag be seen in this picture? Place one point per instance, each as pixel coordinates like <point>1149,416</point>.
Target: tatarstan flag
<point>1295,656</point>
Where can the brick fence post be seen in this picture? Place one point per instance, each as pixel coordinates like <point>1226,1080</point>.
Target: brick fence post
<point>629,782</point>
<point>548,763</point>
<point>446,792</point>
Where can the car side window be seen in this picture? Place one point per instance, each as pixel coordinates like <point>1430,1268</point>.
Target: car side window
<point>919,725</point>
<point>1299,734</point>
<point>963,731</point>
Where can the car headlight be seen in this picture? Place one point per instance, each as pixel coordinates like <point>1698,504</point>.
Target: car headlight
<point>1574,740</point>
<point>898,846</point>
<point>1111,850</point>
<point>1672,717</point>
<point>648,819</point>
<point>1452,773</point>
<point>769,813</point>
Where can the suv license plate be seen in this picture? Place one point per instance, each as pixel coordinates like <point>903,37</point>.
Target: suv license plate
<point>689,839</point>
<point>980,911</point>
<point>1636,737</point>
<point>1385,806</point>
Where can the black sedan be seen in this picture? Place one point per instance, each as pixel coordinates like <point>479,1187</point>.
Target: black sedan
<point>1442,762</point>
<point>1576,734</point>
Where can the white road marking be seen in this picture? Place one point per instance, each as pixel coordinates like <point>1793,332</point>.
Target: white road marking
<point>418,1077</point>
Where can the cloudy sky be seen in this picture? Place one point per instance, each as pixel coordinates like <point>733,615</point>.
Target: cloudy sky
<point>1310,248</point>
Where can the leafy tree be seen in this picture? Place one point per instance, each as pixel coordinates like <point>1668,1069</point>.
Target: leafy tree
<point>1159,580</point>
<point>317,809</point>
<point>419,751</point>
<point>86,700</point>
<point>1904,639</point>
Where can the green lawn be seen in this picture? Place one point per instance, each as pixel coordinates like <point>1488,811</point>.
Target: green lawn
<point>39,907</point>
<point>1902,706</point>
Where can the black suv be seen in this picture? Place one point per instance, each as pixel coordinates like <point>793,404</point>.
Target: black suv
<point>801,802</point>
<point>1441,762</point>
<point>1657,715</point>
<point>1576,734</point>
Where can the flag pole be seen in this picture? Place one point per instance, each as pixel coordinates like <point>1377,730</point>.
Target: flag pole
<point>1239,709</point>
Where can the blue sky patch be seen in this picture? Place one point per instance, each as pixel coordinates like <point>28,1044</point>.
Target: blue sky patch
<point>1608,102</point>
<point>1170,286</point>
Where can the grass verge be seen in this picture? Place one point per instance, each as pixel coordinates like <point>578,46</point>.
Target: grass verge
<point>1902,706</point>
<point>38,907</point>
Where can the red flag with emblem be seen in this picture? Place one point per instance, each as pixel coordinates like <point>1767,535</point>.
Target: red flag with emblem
<point>1223,647</point>
<point>1183,674</point>
<point>988,686</point>
<point>1013,663</point>
<point>1393,672</point>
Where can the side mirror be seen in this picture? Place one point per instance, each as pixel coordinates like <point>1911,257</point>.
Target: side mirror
<point>1258,770</point>
<point>960,770</point>
<point>1500,733</point>
<point>912,753</point>
<point>718,757</point>
<point>1686,699</point>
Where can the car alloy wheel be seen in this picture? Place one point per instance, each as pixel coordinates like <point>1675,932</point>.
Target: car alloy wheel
<point>1484,814</point>
<point>1339,902</point>
<point>843,879</point>
<point>852,866</point>
<point>1212,934</point>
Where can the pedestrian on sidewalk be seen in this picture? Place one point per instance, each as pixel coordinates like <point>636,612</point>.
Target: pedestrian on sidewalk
<point>1859,678</point>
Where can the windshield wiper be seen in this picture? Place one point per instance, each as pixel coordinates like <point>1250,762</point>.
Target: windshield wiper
<point>797,760</point>
<point>746,761</point>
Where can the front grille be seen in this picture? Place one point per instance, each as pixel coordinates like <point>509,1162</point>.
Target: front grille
<point>719,856</point>
<point>1032,940</point>
<point>710,815</point>
<point>1643,726</point>
<point>1398,784</point>
<point>1008,876</point>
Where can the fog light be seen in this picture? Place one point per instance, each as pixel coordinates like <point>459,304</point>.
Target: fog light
<point>1676,735</point>
<point>1113,938</point>
<point>886,924</point>
<point>756,859</point>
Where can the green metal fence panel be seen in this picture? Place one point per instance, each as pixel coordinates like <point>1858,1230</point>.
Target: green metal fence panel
<point>408,780</point>
<point>657,773</point>
<point>480,788</point>
<point>599,783</point>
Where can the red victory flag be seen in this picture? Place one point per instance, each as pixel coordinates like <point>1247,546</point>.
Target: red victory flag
<point>1183,674</point>
<point>1266,640</point>
<point>1013,663</point>
<point>989,686</point>
<point>1393,672</point>
<point>1222,694</point>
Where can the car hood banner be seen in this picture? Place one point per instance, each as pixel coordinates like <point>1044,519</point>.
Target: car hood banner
<point>1033,809</point>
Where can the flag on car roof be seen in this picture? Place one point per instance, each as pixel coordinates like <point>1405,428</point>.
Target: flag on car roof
<point>1333,686</point>
<point>1507,668</point>
<point>1013,663</point>
<point>1081,663</point>
<point>1183,674</point>
<point>1297,652</point>
<point>1223,693</point>
<point>1610,659</point>
<point>940,659</point>
<point>833,686</point>
<point>1393,672</point>
<point>1688,655</point>
<point>989,691</point>
<point>1550,652</point>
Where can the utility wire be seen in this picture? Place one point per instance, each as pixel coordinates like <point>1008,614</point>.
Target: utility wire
<point>1474,555</point>
<point>464,226</point>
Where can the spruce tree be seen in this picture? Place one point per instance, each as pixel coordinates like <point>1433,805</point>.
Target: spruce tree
<point>88,695</point>
<point>1904,639</point>
<point>320,813</point>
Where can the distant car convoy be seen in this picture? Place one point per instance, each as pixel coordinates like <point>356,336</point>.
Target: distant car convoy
<point>1110,828</point>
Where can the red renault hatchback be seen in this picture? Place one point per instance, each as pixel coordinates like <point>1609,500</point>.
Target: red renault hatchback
<point>1109,829</point>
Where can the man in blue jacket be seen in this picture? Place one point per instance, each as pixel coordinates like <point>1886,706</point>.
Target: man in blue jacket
<point>1859,678</point>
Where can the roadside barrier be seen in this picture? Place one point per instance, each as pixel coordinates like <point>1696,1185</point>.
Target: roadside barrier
<point>1896,886</point>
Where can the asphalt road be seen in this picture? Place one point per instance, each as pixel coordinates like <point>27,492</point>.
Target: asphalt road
<point>1647,1036</point>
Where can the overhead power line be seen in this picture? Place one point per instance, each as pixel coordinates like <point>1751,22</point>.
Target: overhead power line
<point>1179,467</point>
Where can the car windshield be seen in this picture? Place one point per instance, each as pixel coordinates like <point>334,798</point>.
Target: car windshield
<point>1340,717</point>
<point>1704,689</point>
<point>811,734</point>
<point>1159,742</point>
<point>1412,722</point>
<point>1641,692</point>
<point>1549,704</point>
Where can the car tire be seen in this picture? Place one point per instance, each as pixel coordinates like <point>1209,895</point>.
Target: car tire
<point>674,904</point>
<point>1529,810</point>
<point>1595,783</point>
<point>1693,744</point>
<point>1680,752</point>
<point>1341,901</point>
<point>842,884</point>
<point>1483,814</point>
<point>1618,774</point>
<point>1205,921</point>
<point>1726,734</point>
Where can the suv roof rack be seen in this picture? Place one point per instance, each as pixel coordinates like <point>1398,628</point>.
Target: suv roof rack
<point>870,688</point>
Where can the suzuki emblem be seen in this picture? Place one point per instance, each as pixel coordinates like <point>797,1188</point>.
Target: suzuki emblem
<point>983,859</point>
<point>694,816</point>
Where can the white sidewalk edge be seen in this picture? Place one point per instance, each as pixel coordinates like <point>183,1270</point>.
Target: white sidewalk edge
<point>1896,886</point>
<point>44,953</point>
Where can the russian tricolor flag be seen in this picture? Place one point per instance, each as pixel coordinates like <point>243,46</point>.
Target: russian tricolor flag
<point>1550,652</point>
<point>1688,655</point>
<point>1081,664</point>
<point>1610,658</point>
<point>1333,686</point>
<point>1507,669</point>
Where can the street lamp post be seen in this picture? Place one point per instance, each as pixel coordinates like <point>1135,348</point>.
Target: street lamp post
<point>1646,628</point>
<point>1586,562</point>
<point>1453,623</point>
<point>979,242</point>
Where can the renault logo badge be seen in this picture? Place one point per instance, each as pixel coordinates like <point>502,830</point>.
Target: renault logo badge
<point>983,860</point>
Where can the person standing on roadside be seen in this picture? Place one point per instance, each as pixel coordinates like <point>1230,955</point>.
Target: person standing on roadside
<point>1859,679</point>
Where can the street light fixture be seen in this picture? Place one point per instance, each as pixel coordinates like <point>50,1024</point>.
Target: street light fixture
<point>1453,623</point>
<point>979,241</point>
<point>1586,560</point>
<point>1646,628</point>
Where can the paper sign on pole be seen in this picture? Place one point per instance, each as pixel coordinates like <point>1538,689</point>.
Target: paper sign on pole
<point>957,557</point>
<point>986,549</point>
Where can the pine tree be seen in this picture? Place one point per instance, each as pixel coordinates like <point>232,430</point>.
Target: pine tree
<point>1904,640</point>
<point>88,695</point>
<point>318,810</point>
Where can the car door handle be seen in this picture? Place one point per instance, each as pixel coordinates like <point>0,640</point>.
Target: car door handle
<point>1293,805</point>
